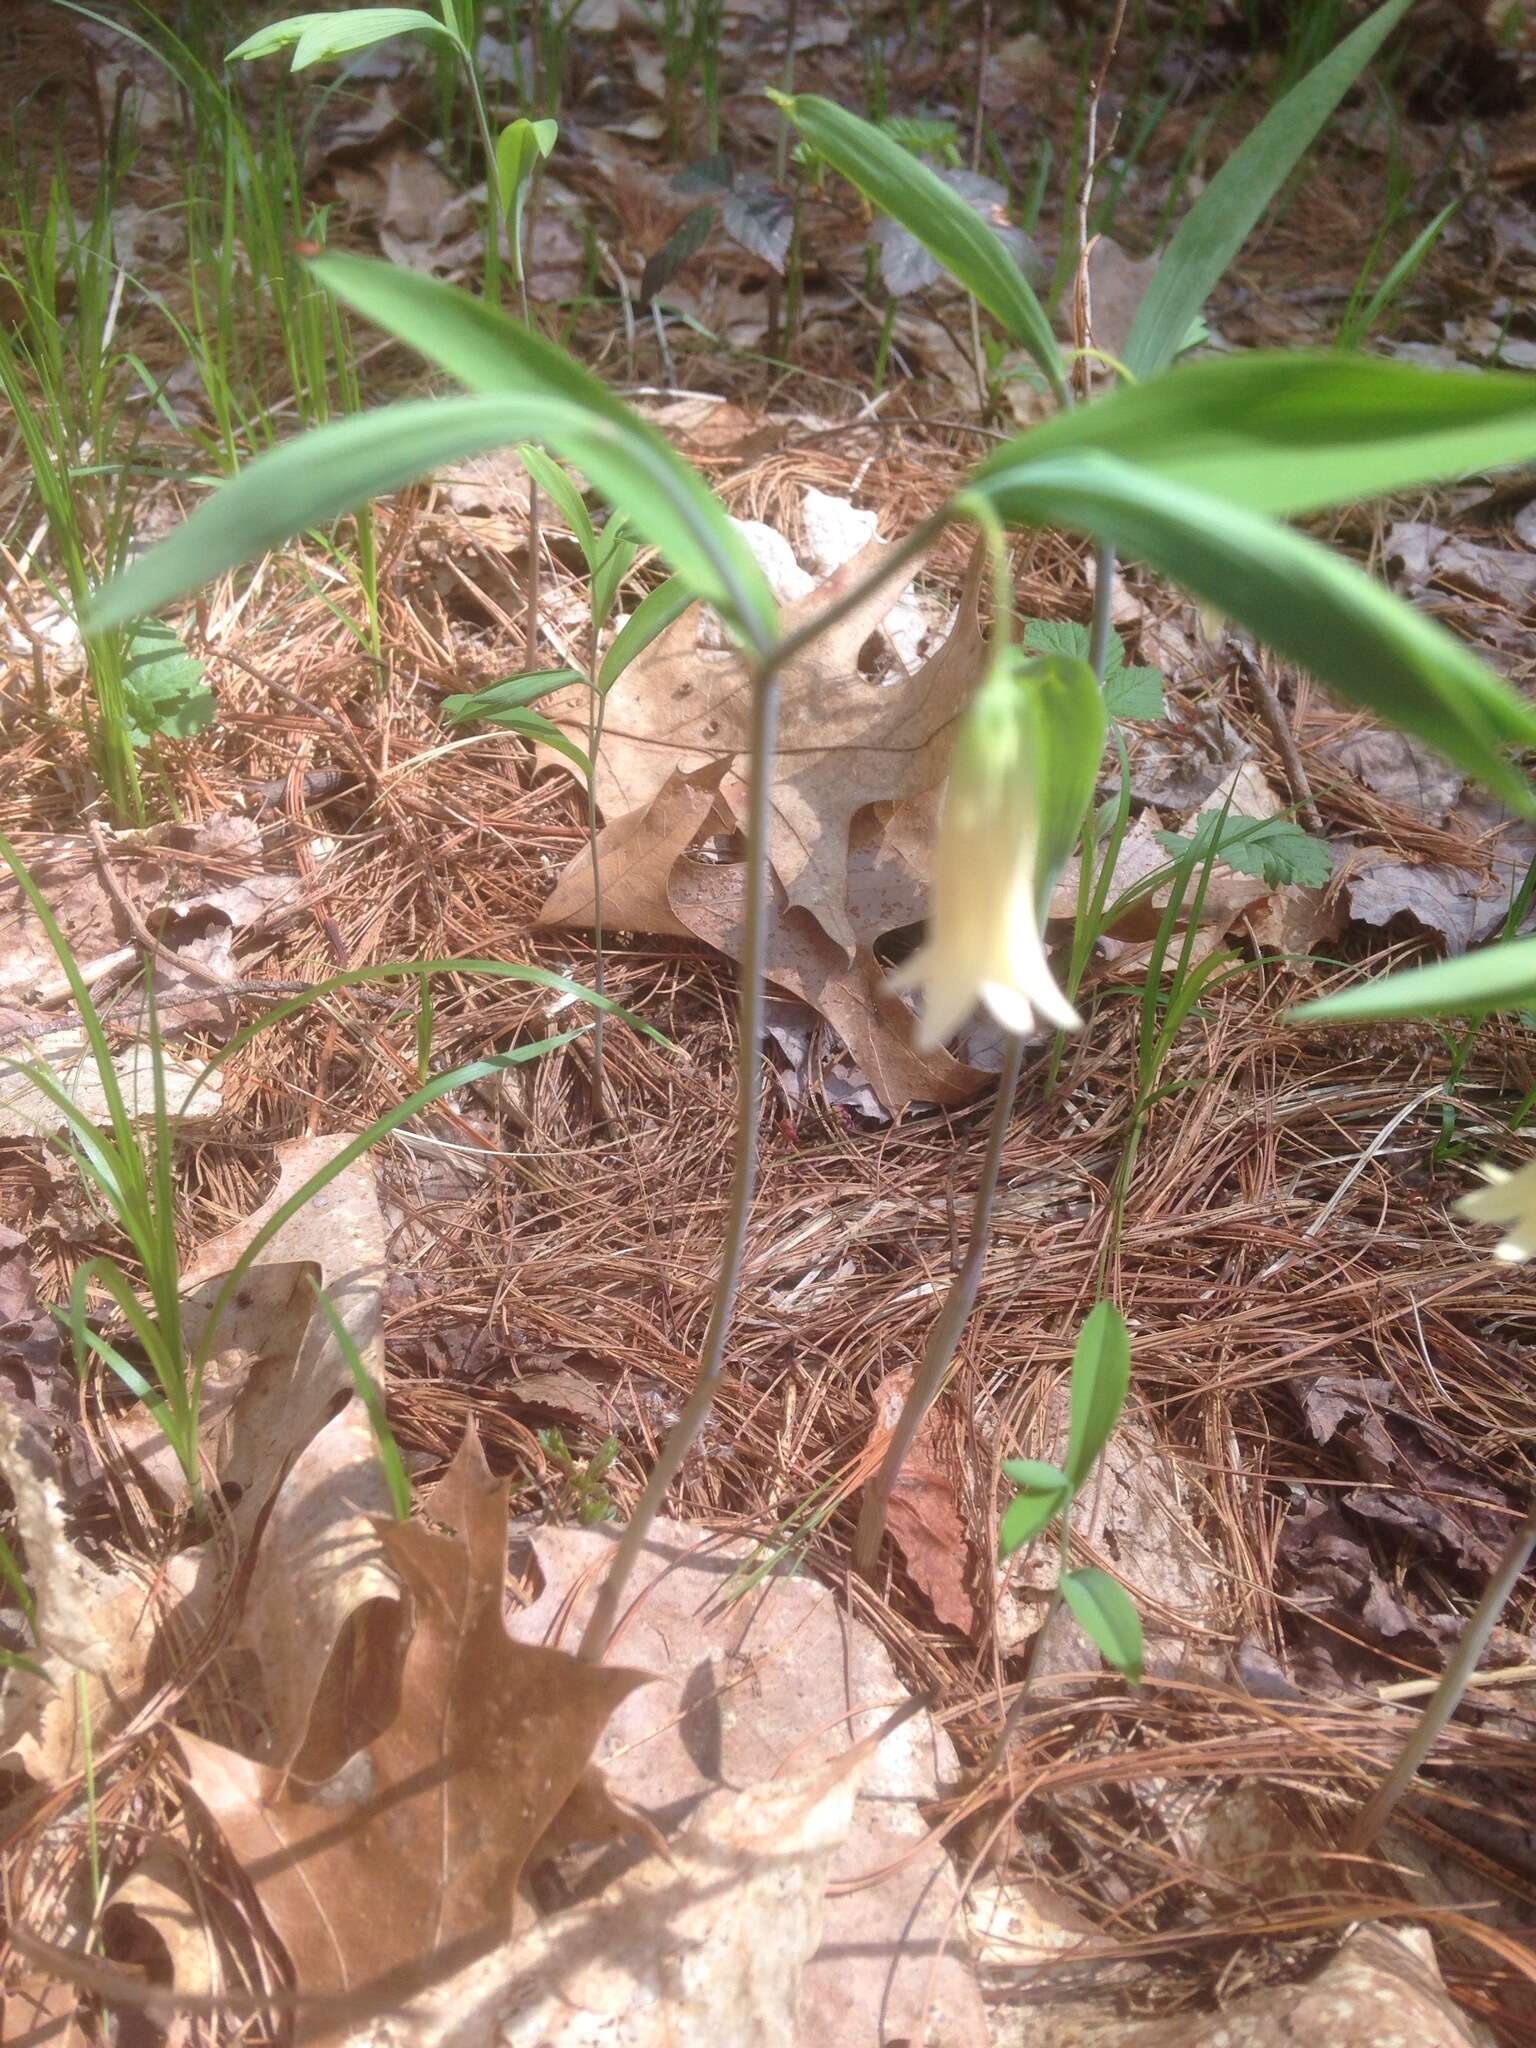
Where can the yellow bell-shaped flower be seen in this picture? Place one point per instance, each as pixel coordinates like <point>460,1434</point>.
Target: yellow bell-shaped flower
<point>1020,780</point>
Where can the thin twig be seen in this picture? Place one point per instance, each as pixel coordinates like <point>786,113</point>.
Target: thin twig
<point>1273,713</point>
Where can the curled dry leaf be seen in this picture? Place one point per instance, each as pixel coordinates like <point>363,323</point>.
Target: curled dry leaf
<point>93,1625</point>
<point>844,741</point>
<point>163,1900</point>
<point>320,1611</point>
<point>214,872</point>
<point>650,884</point>
<point>26,1112</point>
<point>757,1678</point>
<point>404,1867</point>
<point>924,1511</point>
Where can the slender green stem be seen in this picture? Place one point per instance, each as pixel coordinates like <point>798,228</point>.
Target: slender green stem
<point>944,1337</point>
<point>1103,607</point>
<point>1053,1607</point>
<point>750,1013</point>
<point>596,706</point>
<point>492,184</point>
<point>1447,1695</point>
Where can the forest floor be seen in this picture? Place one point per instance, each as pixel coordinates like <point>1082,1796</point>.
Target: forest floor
<point>1333,1402</point>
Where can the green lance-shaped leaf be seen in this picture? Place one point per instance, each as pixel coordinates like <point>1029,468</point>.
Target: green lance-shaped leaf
<point>1500,977</point>
<point>1101,1378</point>
<point>1108,1614</point>
<point>652,616</point>
<point>1225,214</point>
<point>563,494</point>
<point>1043,1491</point>
<point>512,693</point>
<point>1288,432</point>
<point>948,228</point>
<point>314,478</point>
<point>658,492</point>
<point>1298,597</point>
<point>316,38</point>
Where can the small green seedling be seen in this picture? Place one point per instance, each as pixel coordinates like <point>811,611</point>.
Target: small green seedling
<point>521,148</point>
<point>1101,1378</point>
<point>1131,690</point>
<point>594,1503</point>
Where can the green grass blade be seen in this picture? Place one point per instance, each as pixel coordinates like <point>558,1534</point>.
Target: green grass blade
<point>1225,214</point>
<point>950,230</point>
<point>1310,605</point>
<point>373,1402</point>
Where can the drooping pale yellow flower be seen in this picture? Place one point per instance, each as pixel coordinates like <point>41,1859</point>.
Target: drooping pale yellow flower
<point>1020,779</point>
<point>1510,1201</point>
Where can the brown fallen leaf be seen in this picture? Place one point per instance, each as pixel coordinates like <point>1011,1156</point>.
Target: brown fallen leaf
<point>212,872</point>
<point>405,1865</point>
<point>844,741</point>
<point>636,855</point>
<point>26,1112</point>
<point>162,1900</point>
<point>1461,907</point>
<point>96,1629</point>
<point>1400,768</point>
<point>650,885</point>
<point>924,1512</point>
<point>885,892</point>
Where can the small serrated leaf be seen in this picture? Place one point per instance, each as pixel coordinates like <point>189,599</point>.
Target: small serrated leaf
<point>1273,850</point>
<point>1106,1613</point>
<point>1129,692</point>
<point>1132,691</point>
<point>164,687</point>
<point>1065,636</point>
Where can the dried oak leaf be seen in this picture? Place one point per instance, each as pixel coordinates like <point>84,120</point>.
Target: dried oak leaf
<point>650,885</point>
<point>404,1867</point>
<point>844,740</point>
<point>924,1513</point>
